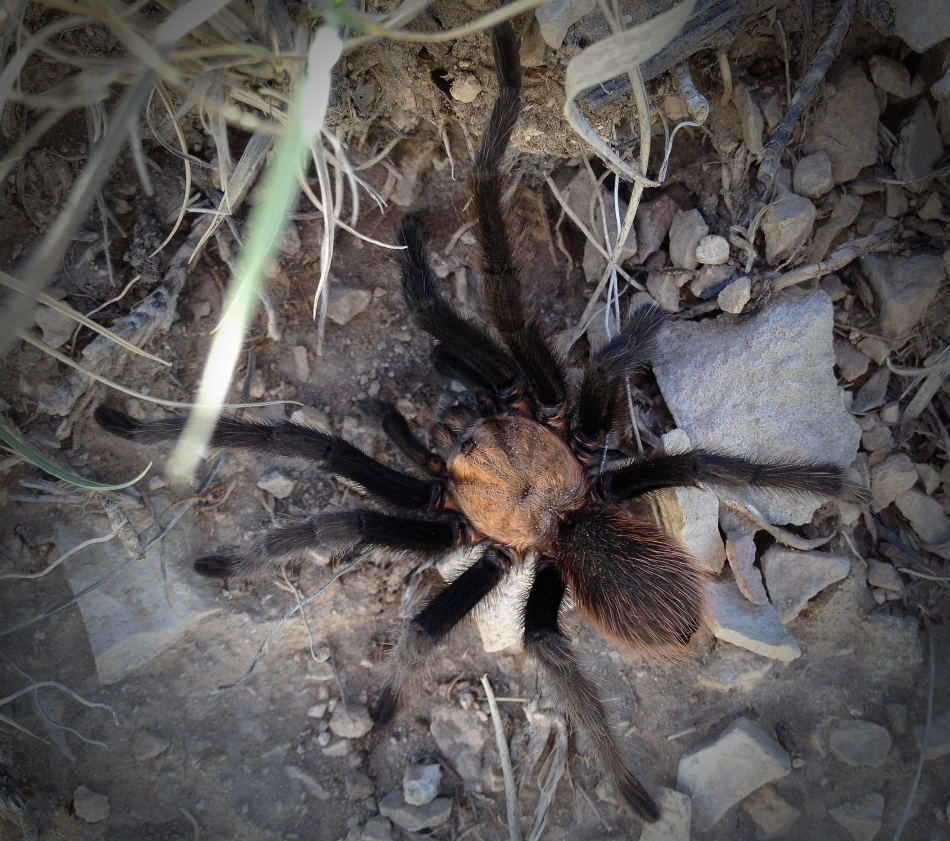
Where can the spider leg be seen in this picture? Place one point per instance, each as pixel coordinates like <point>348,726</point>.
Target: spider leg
<point>634,478</point>
<point>396,427</point>
<point>439,318</point>
<point>450,364</point>
<point>637,585</point>
<point>329,452</point>
<point>545,641</point>
<point>334,531</point>
<point>502,281</point>
<point>621,357</point>
<point>426,630</point>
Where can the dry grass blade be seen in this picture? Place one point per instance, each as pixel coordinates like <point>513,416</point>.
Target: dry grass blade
<point>511,793</point>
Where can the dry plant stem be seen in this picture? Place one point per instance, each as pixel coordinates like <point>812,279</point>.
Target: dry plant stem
<point>838,259</point>
<point>726,73</point>
<point>784,537</point>
<point>511,793</point>
<point>803,96</point>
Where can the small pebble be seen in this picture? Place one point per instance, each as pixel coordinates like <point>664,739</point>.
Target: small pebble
<point>735,296</point>
<point>415,818</point>
<point>465,88</point>
<point>277,484</point>
<point>89,806</point>
<point>713,250</point>
<point>351,722</point>
<point>420,784</point>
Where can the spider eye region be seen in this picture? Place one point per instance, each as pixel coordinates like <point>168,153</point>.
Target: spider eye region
<point>513,479</point>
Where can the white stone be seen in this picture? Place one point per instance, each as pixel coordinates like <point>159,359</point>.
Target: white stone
<point>676,811</point>
<point>794,577</point>
<point>465,88</point>
<point>786,225</point>
<point>350,722</point>
<point>925,515</point>
<point>713,250</point>
<point>846,123</point>
<point>420,784</point>
<point>277,483</point>
<point>89,806</point>
<point>884,576</point>
<point>735,296</point>
<point>717,777</point>
<point>813,177</point>
<point>750,117</point>
<point>557,16</point>
<point>903,287</point>
<point>692,514</point>
<point>301,363</point>
<point>929,477</point>
<point>763,386</point>
<point>57,327</point>
<point>686,232</point>
<point>861,820</point>
<point>857,742</point>
<point>346,304</point>
<point>772,814</point>
<point>733,668</point>
<point>751,626</point>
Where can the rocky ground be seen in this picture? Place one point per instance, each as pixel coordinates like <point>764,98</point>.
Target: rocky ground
<point>801,710</point>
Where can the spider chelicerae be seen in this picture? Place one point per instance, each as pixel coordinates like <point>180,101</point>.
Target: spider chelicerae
<point>526,477</point>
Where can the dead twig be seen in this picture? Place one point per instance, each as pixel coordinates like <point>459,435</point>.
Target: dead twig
<point>803,96</point>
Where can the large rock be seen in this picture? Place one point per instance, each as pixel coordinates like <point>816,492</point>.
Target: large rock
<point>921,23</point>
<point>903,287</point>
<point>761,387</point>
<point>717,777</point>
<point>135,615</point>
<point>846,127</point>
<point>794,577</point>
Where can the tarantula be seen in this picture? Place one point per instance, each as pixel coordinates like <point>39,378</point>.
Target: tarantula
<point>527,476</point>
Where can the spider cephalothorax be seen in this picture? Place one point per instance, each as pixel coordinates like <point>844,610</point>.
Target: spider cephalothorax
<point>526,475</point>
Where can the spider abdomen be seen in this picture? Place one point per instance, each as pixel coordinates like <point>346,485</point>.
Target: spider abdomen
<point>513,478</point>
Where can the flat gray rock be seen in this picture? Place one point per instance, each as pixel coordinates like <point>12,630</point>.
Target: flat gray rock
<point>420,783</point>
<point>733,668</point>
<point>845,127</point>
<point>857,742</point>
<point>761,387</point>
<point>891,477</point>
<point>134,616</point>
<point>676,811</point>
<point>926,517</point>
<point>415,818</point>
<point>922,23</point>
<point>557,16</point>
<point>772,814</point>
<point>755,627</point>
<point>350,722</point>
<point>903,287</point>
<point>786,225</point>
<point>813,177</point>
<point>461,737</point>
<point>793,577</point>
<point>720,775</point>
<point>89,806</point>
<point>861,820</point>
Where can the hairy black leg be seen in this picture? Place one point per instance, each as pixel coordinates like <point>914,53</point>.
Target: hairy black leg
<point>396,427</point>
<point>621,357</point>
<point>552,650</point>
<point>333,532</point>
<point>502,281</point>
<point>413,653</point>
<point>637,585</point>
<point>439,318</point>
<point>450,364</point>
<point>703,467</point>
<point>329,452</point>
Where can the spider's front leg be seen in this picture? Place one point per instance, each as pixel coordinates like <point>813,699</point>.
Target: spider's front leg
<point>547,644</point>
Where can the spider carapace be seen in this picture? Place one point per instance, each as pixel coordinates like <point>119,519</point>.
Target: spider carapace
<point>522,472</point>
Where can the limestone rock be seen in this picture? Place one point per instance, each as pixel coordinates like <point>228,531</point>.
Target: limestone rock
<point>733,668</point>
<point>903,287</point>
<point>922,23</point>
<point>277,483</point>
<point>786,225</point>
<point>420,784</point>
<point>750,117</point>
<point>717,777</point>
<point>857,742</point>
<point>346,304</point>
<point>350,722</point>
<point>713,250</point>
<point>664,290</point>
<point>846,127</point>
<point>861,820</point>
<point>772,814</point>
<point>753,627</point>
<point>465,87</point>
<point>415,818</point>
<point>676,811</point>
<point>892,77</point>
<point>735,296</point>
<point>686,232</point>
<point>794,577</point>
<point>813,176</point>
<point>926,517</point>
<point>56,326</point>
<point>556,17</point>
<point>653,224</point>
<point>89,806</point>
<point>884,576</point>
<point>763,385</point>
<point>850,361</point>
<point>461,737</point>
<point>918,147</point>
<point>891,477</point>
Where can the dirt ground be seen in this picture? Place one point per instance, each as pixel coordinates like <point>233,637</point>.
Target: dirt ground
<point>249,763</point>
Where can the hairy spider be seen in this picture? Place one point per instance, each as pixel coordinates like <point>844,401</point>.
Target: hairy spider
<point>525,476</point>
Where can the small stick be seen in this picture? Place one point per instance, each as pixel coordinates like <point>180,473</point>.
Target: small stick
<point>803,96</point>
<point>511,793</point>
